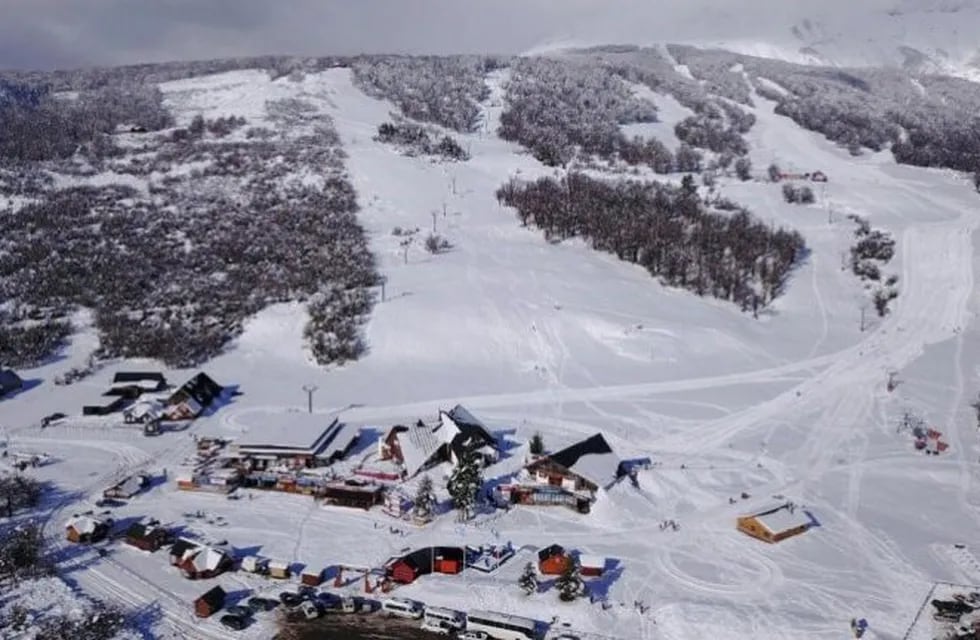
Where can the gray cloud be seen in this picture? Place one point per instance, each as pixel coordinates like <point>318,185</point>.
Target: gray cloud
<point>70,33</point>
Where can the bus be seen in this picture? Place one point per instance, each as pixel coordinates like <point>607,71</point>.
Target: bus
<point>439,616</point>
<point>501,626</point>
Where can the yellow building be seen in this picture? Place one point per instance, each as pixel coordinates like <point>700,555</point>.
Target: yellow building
<point>775,523</point>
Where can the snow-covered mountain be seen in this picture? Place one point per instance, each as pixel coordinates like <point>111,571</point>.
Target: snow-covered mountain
<point>922,35</point>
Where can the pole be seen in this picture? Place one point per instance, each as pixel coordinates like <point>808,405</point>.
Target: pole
<point>384,281</point>
<point>309,389</point>
<point>862,318</point>
<point>434,221</point>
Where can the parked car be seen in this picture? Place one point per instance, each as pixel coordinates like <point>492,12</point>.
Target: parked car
<point>306,591</point>
<point>236,623</point>
<point>290,599</point>
<point>240,610</point>
<point>109,502</point>
<point>52,418</point>
<point>434,626</point>
<point>472,635</point>
<point>259,603</point>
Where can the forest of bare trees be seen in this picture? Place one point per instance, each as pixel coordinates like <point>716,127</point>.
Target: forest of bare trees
<point>668,230</point>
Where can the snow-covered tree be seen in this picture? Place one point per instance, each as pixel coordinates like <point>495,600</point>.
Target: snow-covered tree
<point>20,551</point>
<point>743,168</point>
<point>464,484</point>
<point>570,584</point>
<point>774,172</point>
<point>425,499</point>
<point>528,581</point>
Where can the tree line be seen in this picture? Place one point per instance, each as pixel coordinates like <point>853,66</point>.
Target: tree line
<point>666,229</point>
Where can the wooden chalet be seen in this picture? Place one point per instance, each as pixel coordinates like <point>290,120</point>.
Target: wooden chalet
<point>311,577</point>
<point>204,563</point>
<point>553,560</point>
<point>192,398</point>
<point>352,493</point>
<point>591,566</point>
<point>775,523</point>
<point>128,487</point>
<point>210,603</point>
<point>9,382</point>
<point>180,548</point>
<point>86,529</point>
<point>455,435</point>
<point>279,569</point>
<point>148,536</point>
<point>570,477</point>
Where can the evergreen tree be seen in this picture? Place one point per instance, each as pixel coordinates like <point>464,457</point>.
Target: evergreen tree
<point>528,582</point>
<point>425,499</point>
<point>465,483</point>
<point>743,168</point>
<point>570,584</point>
<point>537,444</point>
<point>774,172</point>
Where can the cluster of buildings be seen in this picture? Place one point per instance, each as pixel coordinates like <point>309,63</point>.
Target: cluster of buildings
<point>145,397</point>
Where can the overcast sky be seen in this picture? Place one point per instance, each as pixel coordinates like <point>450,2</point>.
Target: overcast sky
<point>44,34</point>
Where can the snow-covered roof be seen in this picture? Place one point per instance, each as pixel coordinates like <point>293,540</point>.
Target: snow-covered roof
<point>84,524</point>
<point>208,559</point>
<point>592,458</point>
<point>192,404</point>
<point>420,442</point>
<point>782,517</point>
<point>284,431</point>
<point>278,564</point>
<point>592,561</point>
<point>144,408</point>
<point>146,385</point>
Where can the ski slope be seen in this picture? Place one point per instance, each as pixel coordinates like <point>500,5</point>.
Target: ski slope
<point>555,338</point>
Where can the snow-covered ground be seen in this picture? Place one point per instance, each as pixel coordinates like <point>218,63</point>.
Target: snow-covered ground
<point>556,338</point>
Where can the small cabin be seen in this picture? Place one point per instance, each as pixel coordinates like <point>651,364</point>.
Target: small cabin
<point>279,569</point>
<point>255,564</point>
<point>86,529</point>
<point>179,549</point>
<point>591,566</point>
<point>311,577</point>
<point>553,560</point>
<point>148,537</point>
<point>776,523</point>
<point>210,603</point>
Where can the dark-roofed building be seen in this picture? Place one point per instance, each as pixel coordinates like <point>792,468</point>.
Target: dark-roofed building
<point>553,560</point>
<point>423,445</point>
<point>180,548</point>
<point>9,382</point>
<point>105,405</point>
<point>424,561</point>
<point>209,603</point>
<point>147,536</point>
<point>132,384</point>
<point>569,477</point>
<point>193,397</point>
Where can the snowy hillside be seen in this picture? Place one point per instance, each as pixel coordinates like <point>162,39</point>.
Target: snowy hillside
<point>921,35</point>
<point>550,336</point>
